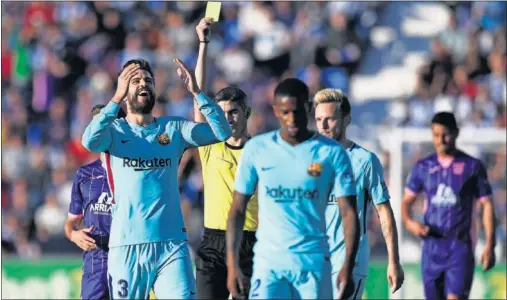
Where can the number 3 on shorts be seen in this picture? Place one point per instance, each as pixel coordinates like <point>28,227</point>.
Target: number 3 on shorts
<point>124,285</point>
<point>255,286</point>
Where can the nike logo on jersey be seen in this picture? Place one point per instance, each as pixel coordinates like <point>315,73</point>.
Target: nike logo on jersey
<point>125,141</point>
<point>267,168</point>
<point>98,177</point>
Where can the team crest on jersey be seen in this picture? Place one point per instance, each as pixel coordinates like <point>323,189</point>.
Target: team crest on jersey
<point>315,170</point>
<point>163,139</point>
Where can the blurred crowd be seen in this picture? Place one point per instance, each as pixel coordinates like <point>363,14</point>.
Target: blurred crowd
<point>59,59</point>
<point>465,73</point>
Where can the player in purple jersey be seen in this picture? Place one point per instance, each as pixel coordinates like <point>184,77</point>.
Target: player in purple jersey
<point>90,205</point>
<point>452,181</point>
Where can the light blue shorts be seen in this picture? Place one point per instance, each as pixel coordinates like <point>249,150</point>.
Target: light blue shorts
<point>277,284</point>
<point>164,266</point>
<point>359,282</point>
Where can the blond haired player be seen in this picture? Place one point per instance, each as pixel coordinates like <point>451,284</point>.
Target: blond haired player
<point>219,162</point>
<point>332,114</point>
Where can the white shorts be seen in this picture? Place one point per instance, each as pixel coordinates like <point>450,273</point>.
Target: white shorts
<point>164,266</point>
<point>271,284</point>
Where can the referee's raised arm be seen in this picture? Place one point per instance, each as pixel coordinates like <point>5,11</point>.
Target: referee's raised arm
<point>203,31</point>
<point>219,163</point>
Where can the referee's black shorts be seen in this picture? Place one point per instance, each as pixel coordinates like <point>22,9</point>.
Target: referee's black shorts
<point>211,265</point>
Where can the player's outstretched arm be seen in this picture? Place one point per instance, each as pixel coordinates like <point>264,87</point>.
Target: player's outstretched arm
<point>379,194</point>
<point>203,32</point>
<point>488,258</point>
<point>217,128</point>
<point>74,233</point>
<point>412,189</point>
<point>79,237</point>
<point>415,227</point>
<point>348,212</point>
<point>395,274</point>
<point>237,283</point>
<point>97,136</point>
<point>484,192</point>
<point>72,223</point>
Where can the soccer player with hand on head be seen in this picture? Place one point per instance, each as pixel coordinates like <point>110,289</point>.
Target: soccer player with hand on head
<point>452,182</point>
<point>295,171</point>
<point>332,115</point>
<point>148,241</point>
<point>90,205</point>
<point>219,163</point>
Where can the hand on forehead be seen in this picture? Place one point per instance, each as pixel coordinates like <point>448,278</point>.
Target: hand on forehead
<point>141,73</point>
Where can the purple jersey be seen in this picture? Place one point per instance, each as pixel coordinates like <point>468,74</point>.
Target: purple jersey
<point>450,193</point>
<point>91,199</point>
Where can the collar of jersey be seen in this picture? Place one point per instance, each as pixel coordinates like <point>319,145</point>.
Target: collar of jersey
<point>236,147</point>
<point>141,128</point>
<point>351,147</point>
<point>279,137</point>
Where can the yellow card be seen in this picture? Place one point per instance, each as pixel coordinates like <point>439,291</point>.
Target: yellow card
<point>213,10</point>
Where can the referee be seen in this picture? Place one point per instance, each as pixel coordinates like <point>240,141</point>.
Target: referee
<point>219,163</point>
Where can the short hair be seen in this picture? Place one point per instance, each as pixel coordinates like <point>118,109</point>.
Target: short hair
<point>333,96</point>
<point>97,108</point>
<point>143,63</point>
<point>446,119</point>
<point>293,87</point>
<point>233,94</point>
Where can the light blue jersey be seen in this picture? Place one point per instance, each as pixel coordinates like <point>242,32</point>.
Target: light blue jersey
<point>371,188</point>
<point>294,184</point>
<point>142,168</point>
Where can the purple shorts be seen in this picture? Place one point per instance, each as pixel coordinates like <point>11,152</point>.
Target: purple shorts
<point>448,268</point>
<point>94,284</point>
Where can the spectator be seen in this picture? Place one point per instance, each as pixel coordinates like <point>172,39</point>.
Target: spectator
<point>455,39</point>
<point>496,81</point>
<point>50,218</point>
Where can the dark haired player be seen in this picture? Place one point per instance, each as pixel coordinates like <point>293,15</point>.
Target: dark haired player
<point>90,205</point>
<point>295,171</point>
<point>219,163</point>
<point>148,241</point>
<point>452,182</point>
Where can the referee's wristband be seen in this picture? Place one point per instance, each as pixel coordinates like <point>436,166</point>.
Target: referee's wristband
<point>205,42</point>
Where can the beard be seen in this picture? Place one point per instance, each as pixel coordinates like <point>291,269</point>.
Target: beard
<point>333,134</point>
<point>145,107</point>
<point>339,132</point>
